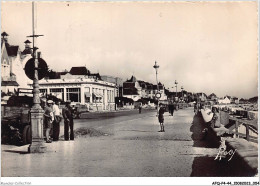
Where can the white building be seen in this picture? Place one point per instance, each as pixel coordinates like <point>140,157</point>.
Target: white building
<point>116,80</point>
<point>12,65</point>
<point>97,94</point>
<point>226,100</point>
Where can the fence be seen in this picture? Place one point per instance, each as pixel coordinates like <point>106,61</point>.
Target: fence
<point>248,130</point>
<point>244,127</point>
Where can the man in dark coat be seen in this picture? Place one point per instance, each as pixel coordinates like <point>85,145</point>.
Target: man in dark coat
<point>140,108</point>
<point>68,121</point>
<point>171,109</point>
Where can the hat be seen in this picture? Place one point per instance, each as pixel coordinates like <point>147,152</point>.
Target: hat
<point>50,102</point>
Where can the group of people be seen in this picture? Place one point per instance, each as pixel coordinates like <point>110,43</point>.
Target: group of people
<point>52,117</point>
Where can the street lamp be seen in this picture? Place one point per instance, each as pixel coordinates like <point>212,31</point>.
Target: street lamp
<point>156,70</point>
<point>176,85</point>
<point>182,92</point>
<point>36,111</point>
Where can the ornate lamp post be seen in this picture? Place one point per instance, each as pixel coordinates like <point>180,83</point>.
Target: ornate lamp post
<point>182,92</point>
<point>176,84</point>
<point>156,67</point>
<point>36,111</point>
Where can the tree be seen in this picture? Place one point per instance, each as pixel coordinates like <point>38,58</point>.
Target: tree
<point>253,99</point>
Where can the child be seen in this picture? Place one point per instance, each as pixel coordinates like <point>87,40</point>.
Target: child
<point>161,118</point>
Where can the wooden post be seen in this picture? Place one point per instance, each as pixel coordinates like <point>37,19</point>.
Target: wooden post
<point>247,132</point>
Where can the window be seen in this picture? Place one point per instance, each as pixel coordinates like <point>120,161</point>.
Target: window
<point>43,92</point>
<point>87,94</point>
<point>73,94</point>
<point>57,92</point>
<point>113,96</point>
<point>108,96</point>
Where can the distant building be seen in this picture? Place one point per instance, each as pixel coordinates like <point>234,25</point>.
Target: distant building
<point>243,101</point>
<point>225,100</point>
<point>132,89</point>
<point>234,100</point>
<point>213,97</point>
<point>117,81</point>
<point>201,96</point>
<point>137,89</point>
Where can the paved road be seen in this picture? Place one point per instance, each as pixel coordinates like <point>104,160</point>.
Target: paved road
<point>134,147</point>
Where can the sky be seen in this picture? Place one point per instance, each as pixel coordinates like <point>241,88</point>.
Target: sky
<point>208,47</point>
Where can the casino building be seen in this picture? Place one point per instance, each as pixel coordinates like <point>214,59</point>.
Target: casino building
<point>81,87</point>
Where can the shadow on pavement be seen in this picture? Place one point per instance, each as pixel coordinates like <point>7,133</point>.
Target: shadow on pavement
<point>137,130</point>
<point>197,136</point>
<point>208,167</point>
<point>205,165</point>
<point>17,151</point>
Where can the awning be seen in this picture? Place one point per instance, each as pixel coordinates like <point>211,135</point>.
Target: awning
<point>97,95</point>
<point>9,83</point>
<point>87,95</point>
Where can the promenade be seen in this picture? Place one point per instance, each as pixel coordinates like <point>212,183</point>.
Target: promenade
<point>128,145</point>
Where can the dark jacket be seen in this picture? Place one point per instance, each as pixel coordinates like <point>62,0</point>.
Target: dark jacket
<point>67,113</point>
<point>161,111</point>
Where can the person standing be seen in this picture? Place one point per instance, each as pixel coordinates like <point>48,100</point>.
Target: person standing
<point>195,108</point>
<point>48,119</point>
<point>67,113</point>
<point>171,109</point>
<point>161,117</point>
<point>140,108</point>
<point>56,122</point>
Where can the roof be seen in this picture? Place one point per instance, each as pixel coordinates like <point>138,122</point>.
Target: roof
<point>11,50</point>
<point>9,83</point>
<point>229,97</point>
<point>79,71</point>
<point>142,84</point>
<point>212,95</point>
<point>155,87</point>
<point>97,75</point>
<point>132,79</point>
<point>27,51</point>
<point>27,41</point>
<point>130,91</point>
<point>149,86</point>
<point>128,85</point>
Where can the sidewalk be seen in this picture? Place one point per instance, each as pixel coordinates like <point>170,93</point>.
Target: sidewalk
<point>135,148</point>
